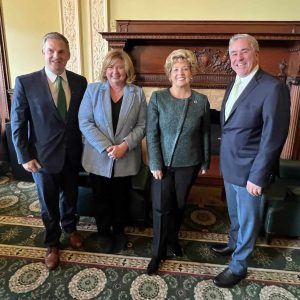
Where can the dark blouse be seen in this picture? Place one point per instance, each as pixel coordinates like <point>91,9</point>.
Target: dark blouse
<point>115,112</point>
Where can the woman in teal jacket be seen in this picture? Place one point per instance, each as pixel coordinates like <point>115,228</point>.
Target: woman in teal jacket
<point>178,141</point>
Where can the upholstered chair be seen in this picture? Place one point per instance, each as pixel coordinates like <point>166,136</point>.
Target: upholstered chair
<point>283,202</point>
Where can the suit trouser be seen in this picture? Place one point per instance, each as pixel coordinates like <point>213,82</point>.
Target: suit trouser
<point>111,202</point>
<point>169,197</point>
<point>246,215</point>
<point>58,195</point>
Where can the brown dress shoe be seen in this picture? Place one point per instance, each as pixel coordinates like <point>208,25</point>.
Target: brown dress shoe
<point>52,258</point>
<point>75,240</point>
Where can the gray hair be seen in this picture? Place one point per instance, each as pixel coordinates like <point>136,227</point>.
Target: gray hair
<point>244,36</point>
<point>55,36</point>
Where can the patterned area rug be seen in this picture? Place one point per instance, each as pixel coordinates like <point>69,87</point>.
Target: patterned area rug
<point>90,273</point>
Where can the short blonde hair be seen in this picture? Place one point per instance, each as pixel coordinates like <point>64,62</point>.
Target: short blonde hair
<point>115,54</point>
<point>181,54</point>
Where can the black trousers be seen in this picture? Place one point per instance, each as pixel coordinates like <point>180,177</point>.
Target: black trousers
<point>111,202</point>
<point>58,195</point>
<point>169,197</point>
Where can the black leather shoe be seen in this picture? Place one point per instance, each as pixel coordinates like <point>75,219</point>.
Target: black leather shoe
<point>153,265</point>
<point>227,279</point>
<point>222,249</point>
<point>175,250</point>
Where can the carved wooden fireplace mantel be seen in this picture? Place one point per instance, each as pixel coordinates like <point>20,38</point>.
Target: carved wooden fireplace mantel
<point>149,43</point>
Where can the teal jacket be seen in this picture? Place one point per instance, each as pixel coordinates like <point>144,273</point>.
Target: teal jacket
<point>178,131</point>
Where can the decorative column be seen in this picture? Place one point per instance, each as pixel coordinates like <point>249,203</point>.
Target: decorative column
<point>71,30</point>
<point>98,22</point>
<point>291,149</point>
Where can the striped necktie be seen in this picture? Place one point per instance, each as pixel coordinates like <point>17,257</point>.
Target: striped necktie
<point>232,97</point>
<point>61,98</point>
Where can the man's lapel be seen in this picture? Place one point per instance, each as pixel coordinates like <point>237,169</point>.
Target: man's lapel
<point>248,89</point>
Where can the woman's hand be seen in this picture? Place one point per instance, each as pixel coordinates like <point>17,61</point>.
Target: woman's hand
<point>157,174</point>
<point>117,151</point>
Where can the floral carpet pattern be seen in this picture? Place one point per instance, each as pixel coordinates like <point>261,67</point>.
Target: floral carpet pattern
<point>91,273</point>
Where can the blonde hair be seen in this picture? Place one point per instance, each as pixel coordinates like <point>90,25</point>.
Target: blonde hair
<point>181,54</point>
<point>118,54</point>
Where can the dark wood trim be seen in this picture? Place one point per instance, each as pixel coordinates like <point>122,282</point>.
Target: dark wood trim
<point>149,42</point>
<point>4,86</point>
<point>231,27</point>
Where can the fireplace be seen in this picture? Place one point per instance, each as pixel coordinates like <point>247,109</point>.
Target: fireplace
<point>149,43</point>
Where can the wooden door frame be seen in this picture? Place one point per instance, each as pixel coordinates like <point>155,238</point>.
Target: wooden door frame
<point>4,87</point>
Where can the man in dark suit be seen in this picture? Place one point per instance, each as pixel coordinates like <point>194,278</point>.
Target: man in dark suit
<point>255,119</point>
<point>47,139</point>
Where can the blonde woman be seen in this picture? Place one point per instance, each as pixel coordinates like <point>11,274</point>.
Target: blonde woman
<point>178,141</point>
<point>112,118</point>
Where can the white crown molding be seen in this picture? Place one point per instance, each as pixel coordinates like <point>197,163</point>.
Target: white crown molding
<point>70,23</point>
<point>98,23</point>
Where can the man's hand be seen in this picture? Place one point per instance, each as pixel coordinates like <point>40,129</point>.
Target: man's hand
<point>253,189</point>
<point>32,166</point>
<point>157,174</point>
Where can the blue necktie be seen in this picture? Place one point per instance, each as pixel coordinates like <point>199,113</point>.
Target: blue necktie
<point>61,98</point>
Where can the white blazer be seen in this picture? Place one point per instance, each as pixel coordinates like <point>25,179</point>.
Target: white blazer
<point>95,122</point>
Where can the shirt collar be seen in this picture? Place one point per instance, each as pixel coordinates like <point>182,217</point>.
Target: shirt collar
<point>245,80</point>
<point>53,76</point>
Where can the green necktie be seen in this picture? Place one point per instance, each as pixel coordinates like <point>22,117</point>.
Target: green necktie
<point>61,98</point>
<point>232,97</point>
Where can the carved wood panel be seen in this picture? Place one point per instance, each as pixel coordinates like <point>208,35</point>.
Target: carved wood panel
<point>149,43</point>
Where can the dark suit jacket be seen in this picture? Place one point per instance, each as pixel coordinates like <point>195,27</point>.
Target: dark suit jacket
<point>254,133</point>
<point>38,132</point>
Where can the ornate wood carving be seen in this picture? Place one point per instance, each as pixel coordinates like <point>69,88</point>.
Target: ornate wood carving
<point>213,61</point>
<point>149,42</point>
<point>98,21</point>
<point>71,29</point>
<point>291,148</point>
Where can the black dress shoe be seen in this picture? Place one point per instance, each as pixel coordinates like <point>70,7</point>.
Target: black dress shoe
<point>175,250</point>
<point>153,265</point>
<point>222,249</point>
<point>227,279</point>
